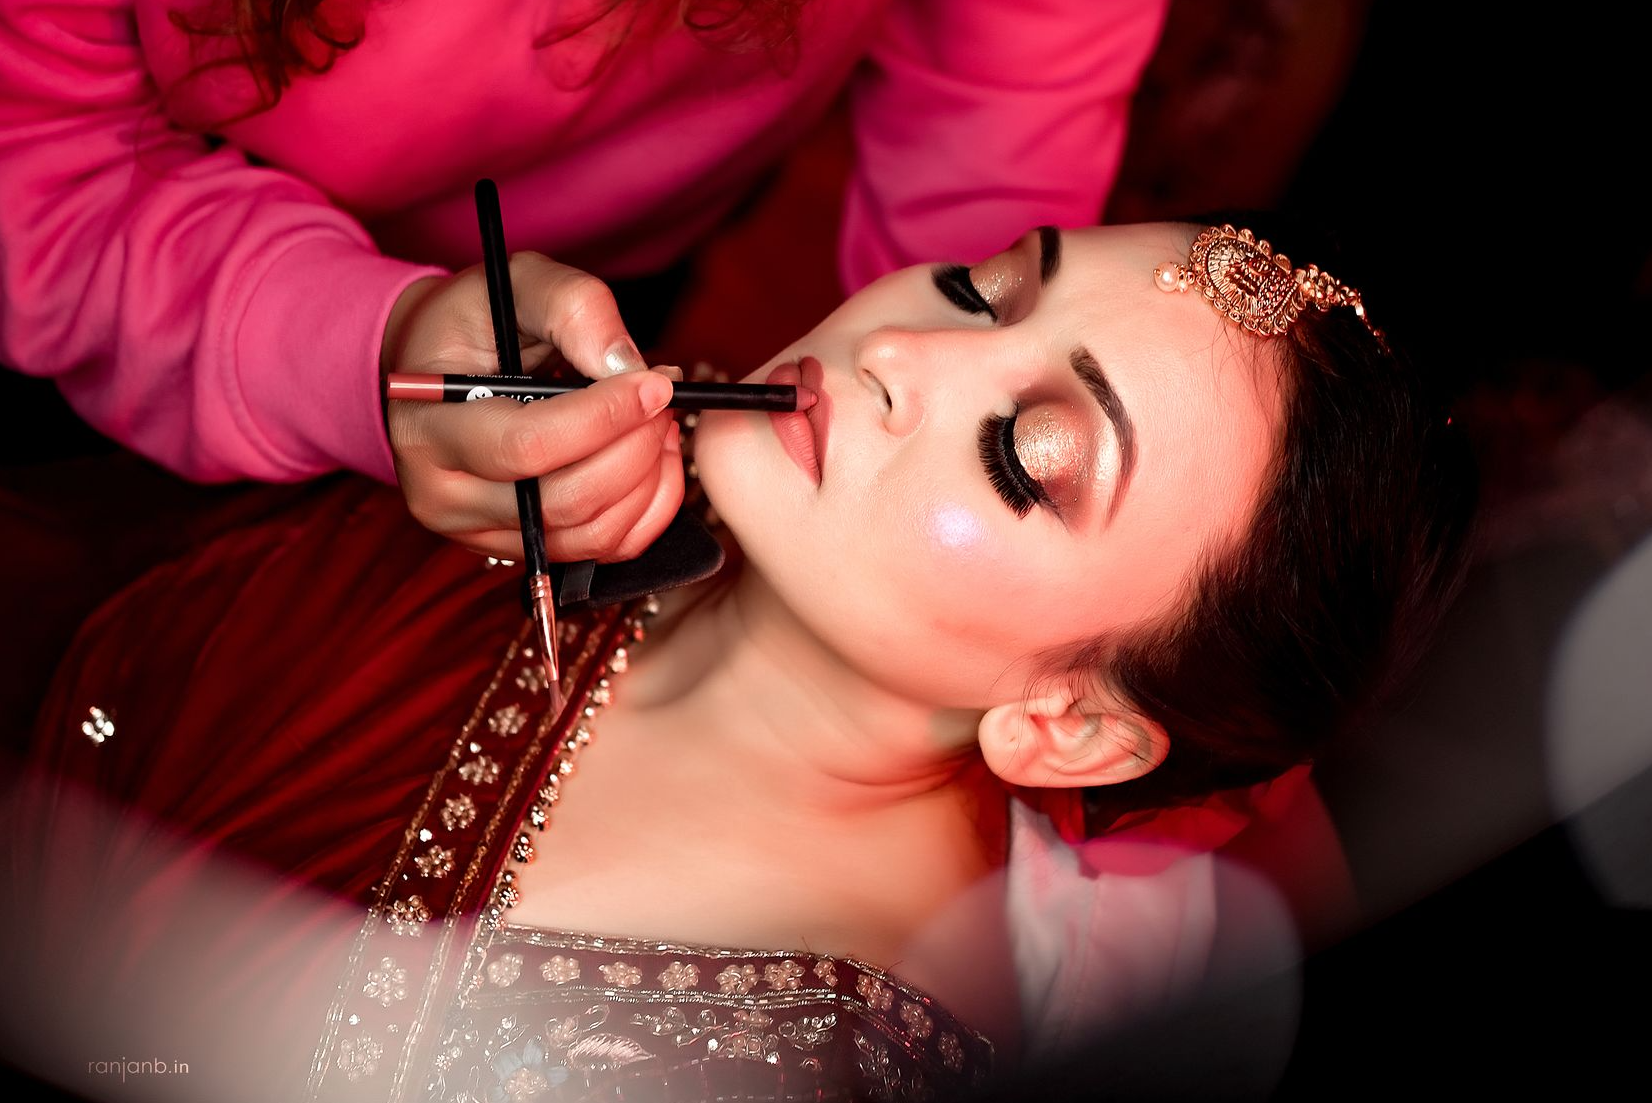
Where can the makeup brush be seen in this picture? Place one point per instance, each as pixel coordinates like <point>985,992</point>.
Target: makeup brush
<point>502,306</point>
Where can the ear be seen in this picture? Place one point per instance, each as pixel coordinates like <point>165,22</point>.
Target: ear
<point>1059,741</point>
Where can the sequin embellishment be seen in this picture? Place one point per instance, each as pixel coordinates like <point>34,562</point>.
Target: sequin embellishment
<point>783,976</point>
<point>560,970</point>
<point>480,770</point>
<point>359,1057</point>
<point>533,679</point>
<point>677,976</point>
<point>876,993</point>
<point>99,725</point>
<point>508,720</point>
<point>408,917</point>
<point>435,863</point>
<point>458,812</point>
<point>504,969</point>
<point>387,984</point>
<point>738,979</point>
<point>621,974</point>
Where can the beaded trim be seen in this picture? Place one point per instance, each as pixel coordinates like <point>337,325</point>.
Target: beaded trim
<point>423,920</point>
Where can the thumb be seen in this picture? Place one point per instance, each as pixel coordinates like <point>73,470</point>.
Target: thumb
<point>576,313</point>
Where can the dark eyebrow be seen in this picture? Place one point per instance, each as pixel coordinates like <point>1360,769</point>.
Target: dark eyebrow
<point>1095,381</point>
<point>1049,253</point>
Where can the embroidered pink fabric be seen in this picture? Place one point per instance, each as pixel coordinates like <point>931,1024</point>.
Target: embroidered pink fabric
<point>556,1016</point>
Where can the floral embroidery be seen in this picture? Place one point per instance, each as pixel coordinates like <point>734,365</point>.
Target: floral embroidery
<point>359,1057</point>
<point>737,979</point>
<point>596,1052</point>
<point>436,863</point>
<point>744,1038</point>
<point>808,1032</point>
<point>783,976</point>
<point>675,1025</point>
<point>508,720</point>
<point>877,1065</point>
<point>458,812</point>
<point>525,1083</point>
<point>560,1035</point>
<point>621,974</point>
<point>387,983</point>
<point>533,679</point>
<point>826,970</point>
<point>480,770</point>
<point>504,969</point>
<point>407,917</point>
<point>952,1052</point>
<point>560,970</point>
<point>875,992</point>
<point>678,976</point>
<point>916,1019</point>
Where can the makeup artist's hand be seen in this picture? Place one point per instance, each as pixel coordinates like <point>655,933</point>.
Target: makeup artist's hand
<point>608,458</point>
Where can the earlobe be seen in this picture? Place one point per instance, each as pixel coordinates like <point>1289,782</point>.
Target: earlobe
<point>1055,741</point>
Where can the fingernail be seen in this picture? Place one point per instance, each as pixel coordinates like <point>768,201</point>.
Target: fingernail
<point>674,439</point>
<point>671,372</point>
<point>622,356</point>
<point>654,392</point>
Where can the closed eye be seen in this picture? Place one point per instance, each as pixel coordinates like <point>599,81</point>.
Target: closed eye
<point>996,444</point>
<point>952,280</point>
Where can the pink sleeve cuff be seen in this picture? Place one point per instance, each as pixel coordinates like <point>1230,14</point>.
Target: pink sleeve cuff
<point>305,356</point>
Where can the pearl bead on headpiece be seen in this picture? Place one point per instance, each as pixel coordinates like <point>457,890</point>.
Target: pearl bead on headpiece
<point>1254,287</point>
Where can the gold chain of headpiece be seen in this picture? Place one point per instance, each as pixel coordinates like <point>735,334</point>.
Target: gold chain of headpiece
<point>1254,287</point>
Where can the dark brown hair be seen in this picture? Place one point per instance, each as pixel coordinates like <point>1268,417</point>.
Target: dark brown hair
<point>1359,542</point>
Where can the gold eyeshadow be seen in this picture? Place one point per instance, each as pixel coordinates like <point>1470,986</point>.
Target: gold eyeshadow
<point>1049,442</point>
<point>1003,280</point>
<point>998,279</point>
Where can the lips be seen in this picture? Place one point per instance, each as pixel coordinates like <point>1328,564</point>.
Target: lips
<point>803,435</point>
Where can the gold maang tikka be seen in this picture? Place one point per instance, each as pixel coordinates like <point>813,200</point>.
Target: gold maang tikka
<point>1254,287</point>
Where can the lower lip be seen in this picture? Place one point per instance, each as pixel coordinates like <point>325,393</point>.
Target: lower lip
<point>797,435</point>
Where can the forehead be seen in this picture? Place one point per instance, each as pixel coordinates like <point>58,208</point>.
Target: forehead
<point>1204,395</point>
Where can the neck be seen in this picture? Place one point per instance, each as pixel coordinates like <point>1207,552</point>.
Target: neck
<point>740,683</point>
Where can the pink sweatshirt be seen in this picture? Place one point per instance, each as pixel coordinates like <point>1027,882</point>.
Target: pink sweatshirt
<point>220,310</point>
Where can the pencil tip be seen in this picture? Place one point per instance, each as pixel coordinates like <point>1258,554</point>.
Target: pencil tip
<point>806,397</point>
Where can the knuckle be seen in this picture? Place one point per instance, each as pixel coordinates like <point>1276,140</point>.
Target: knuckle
<point>524,449</point>
<point>579,501</point>
<point>634,543</point>
<point>585,297</point>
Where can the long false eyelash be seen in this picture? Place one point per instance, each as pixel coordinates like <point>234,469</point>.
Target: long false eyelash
<point>997,447</point>
<point>952,280</point>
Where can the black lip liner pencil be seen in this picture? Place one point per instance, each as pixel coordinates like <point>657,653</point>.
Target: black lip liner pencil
<point>416,387</point>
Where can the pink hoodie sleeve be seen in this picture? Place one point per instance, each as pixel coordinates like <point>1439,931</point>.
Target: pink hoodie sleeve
<point>976,120</point>
<point>220,318</point>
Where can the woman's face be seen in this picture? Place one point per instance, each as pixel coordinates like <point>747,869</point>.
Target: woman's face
<point>1012,457</point>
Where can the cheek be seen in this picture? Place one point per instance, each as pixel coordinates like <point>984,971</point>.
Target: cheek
<point>952,529</point>
<point>952,561</point>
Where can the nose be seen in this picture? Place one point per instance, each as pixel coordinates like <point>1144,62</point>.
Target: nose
<point>895,367</point>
